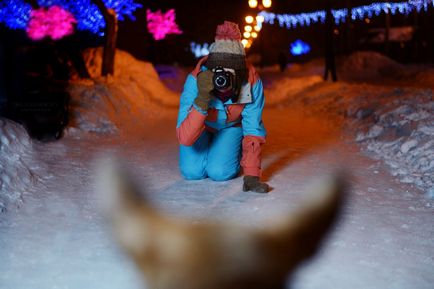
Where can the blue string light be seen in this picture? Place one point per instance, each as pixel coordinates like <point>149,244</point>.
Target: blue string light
<point>199,50</point>
<point>341,15</point>
<point>15,14</point>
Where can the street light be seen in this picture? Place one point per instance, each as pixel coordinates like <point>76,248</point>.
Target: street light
<point>249,19</point>
<point>266,3</point>
<point>251,33</point>
<point>253,3</point>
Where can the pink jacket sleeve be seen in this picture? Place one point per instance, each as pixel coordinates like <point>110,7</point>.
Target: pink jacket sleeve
<point>253,128</point>
<point>191,122</point>
<point>251,160</point>
<point>191,128</point>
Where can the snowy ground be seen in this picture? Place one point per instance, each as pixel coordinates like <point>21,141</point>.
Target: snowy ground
<point>53,235</point>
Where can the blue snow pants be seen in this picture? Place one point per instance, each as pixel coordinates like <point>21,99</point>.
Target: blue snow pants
<point>214,154</point>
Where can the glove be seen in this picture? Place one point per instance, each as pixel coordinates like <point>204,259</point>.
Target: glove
<point>253,184</point>
<point>205,86</point>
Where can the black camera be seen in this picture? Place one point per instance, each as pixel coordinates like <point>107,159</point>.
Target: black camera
<point>222,79</point>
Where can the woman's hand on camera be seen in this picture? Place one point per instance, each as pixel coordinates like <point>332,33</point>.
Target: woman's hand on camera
<point>205,86</point>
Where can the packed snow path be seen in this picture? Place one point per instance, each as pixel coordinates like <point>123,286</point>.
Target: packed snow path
<point>58,239</point>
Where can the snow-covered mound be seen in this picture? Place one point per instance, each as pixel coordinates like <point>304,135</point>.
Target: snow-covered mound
<point>15,174</point>
<point>423,78</point>
<point>91,108</point>
<point>130,70</point>
<point>110,104</point>
<point>369,65</point>
<point>391,113</point>
<point>393,124</point>
<point>373,67</point>
<point>290,86</point>
<point>401,132</point>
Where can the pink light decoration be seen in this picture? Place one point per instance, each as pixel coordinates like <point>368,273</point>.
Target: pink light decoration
<point>161,24</point>
<point>54,22</point>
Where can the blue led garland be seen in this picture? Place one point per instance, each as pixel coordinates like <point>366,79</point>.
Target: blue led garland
<point>199,50</point>
<point>340,16</point>
<point>299,47</point>
<point>16,13</point>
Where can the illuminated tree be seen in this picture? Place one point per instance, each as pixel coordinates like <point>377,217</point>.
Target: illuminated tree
<point>161,24</point>
<point>56,18</point>
<point>16,14</point>
<point>54,22</point>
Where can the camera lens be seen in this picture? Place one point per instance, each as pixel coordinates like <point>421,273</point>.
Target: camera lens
<point>221,81</point>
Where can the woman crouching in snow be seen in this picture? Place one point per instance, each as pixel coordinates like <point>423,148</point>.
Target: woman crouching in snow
<point>220,115</point>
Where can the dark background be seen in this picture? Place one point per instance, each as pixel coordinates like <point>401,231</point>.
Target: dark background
<point>198,21</point>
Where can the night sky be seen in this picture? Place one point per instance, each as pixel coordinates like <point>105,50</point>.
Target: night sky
<point>198,21</point>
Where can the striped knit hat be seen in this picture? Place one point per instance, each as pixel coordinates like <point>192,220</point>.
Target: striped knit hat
<point>227,50</point>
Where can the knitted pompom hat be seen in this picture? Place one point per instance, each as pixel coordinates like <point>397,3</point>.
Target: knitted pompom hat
<point>227,50</point>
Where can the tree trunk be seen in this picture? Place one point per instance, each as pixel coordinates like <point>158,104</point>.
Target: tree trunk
<point>108,59</point>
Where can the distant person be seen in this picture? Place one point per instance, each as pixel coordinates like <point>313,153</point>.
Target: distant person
<point>220,115</point>
<point>283,61</point>
<point>330,62</point>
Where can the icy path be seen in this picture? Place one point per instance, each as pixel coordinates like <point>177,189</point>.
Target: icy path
<point>57,239</point>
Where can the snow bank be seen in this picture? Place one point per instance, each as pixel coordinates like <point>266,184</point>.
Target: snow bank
<point>369,65</point>
<point>16,176</point>
<point>140,73</point>
<point>396,124</point>
<point>392,123</point>
<point>401,133</point>
<point>290,86</point>
<point>373,67</point>
<point>110,104</point>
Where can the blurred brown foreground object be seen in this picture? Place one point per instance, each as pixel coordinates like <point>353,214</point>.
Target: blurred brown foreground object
<point>177,254</point>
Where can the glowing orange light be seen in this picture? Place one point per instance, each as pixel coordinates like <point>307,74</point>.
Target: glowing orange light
<point>254,34</point>
<point>244,42</point>
<point>249,19</point>
<point>249,43</point>
<point>260,19</point>
<point>253,3</point>
<point>246,34</point>
<point>257,28</point>
<point>248,28</point>
<point>266,3</point>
